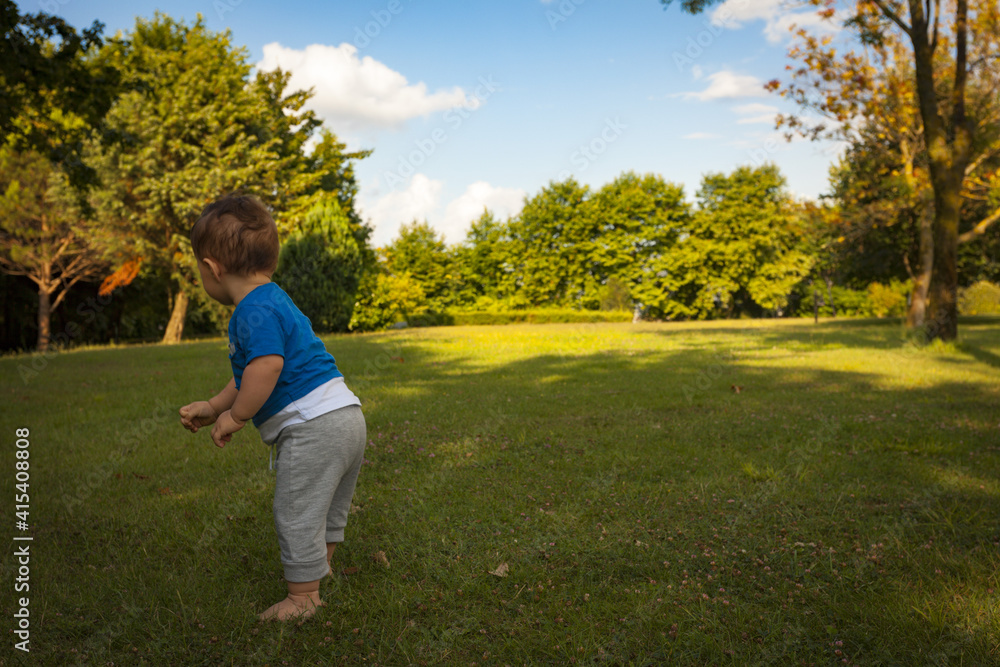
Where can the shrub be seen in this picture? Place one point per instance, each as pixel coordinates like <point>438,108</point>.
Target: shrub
<point>320,268</point>
<point>541,316</point>
<point>385,299</point>
<point>615,296</point>
<point>887,300</point>
<point>877,300</point>
<point>848,302</point>
<point>982,298</point>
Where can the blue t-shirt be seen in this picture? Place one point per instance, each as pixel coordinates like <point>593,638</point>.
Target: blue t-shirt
<point>267,322</point>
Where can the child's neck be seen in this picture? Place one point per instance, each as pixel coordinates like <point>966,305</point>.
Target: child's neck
<point>239,286</point>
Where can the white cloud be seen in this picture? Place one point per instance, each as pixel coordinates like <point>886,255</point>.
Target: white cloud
<point>357,93</point>
<point>755,113</point>
<point>753,120</point>
<point>421,200</point>
<point>702,135</point>
<point>778,17</point>
<point>460,213</point>
<point>418,201</point>
<point>755,107</point>
<point>734,13</point>
<point>726,85</point>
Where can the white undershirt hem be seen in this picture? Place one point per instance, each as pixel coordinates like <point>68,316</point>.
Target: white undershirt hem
<point>327,397</point>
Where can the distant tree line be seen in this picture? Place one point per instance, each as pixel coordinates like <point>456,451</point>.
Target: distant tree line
<point>112,146</point>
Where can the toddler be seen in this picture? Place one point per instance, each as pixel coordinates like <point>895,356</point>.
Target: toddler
<point>286,381</point>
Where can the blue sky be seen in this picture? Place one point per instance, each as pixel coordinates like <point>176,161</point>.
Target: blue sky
<point>481,103</point>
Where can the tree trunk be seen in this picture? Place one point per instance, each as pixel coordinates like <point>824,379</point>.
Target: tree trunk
<point>943,320</point>
<point>829,292</point>
<point>175,327</point>
<point>915,317</point>
<point>44,318</point>
<point>948,149</point>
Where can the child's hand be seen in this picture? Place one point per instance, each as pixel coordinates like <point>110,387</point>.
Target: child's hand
<point>197,414</point>
<point>224,428</point>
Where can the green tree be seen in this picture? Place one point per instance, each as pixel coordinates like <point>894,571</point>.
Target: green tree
<point>741,251</point>
<point>479,260</point>
<point>321,266</point>
<point>196,127</point>
<point>51,94</point>
<point>420,252</point>
<point>385,299</point>
<point>639,221</point>
<point>544,263</point>
<point>881,212</point>
<point>43,234</point>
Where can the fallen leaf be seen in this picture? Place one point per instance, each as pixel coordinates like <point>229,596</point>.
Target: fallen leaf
<point>347,571</point>
<point>137,475</point>
<point>501,570</point>
<point>736,388</point>
<point>379,557</point>
<point>165,491</point>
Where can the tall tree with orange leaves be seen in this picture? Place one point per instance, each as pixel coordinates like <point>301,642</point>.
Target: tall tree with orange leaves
<point>907,60</point>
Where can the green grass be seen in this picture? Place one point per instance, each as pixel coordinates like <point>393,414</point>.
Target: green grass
<point>841,506</point>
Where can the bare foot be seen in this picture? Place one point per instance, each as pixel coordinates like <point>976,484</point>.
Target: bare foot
<point>293,607</point>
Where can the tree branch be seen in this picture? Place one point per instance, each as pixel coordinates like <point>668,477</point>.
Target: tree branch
<point>65,291</point>
<point>894,17</point>
<point>972,166</point>
<point>979,229</point>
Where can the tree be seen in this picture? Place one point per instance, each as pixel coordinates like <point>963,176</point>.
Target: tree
<point>880,227</point>
<point>43,234</point>
<point>740,253</point>
<point>639,222</point>
<point>420,252</point>
<point>320,267</point>
<point>196,127</point>
<point>51,95</point>
<point>479,260</point>
<point>956,134</point>
<point>544,261</point>
<point>385,299</point>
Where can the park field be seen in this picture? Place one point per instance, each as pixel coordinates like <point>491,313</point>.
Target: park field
<point>723,493</point>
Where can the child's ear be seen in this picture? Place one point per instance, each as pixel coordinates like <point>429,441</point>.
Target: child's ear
<point>213,267</point>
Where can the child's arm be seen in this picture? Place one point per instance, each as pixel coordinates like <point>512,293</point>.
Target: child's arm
<point>202,413</point>
<point>258,382</point>
<point>225,398</point>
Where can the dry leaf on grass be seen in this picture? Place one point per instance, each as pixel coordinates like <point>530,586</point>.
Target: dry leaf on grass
<point>501,570</point>
<point>379,557</point>
<point>349,571</point>
<point>736,388</point>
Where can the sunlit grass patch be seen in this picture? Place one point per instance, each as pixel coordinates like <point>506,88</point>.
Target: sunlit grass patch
<point>843,499</point>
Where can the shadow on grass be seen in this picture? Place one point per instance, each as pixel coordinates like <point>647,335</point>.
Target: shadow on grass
<point>919,463</point>
<point>649,444</point>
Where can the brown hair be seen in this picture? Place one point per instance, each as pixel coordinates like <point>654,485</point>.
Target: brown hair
<point>238,232</point>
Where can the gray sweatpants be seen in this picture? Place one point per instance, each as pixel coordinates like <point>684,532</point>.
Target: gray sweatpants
<point>317,467</point>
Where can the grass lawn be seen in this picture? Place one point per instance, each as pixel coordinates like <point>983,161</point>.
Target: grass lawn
<point>840,508</point>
